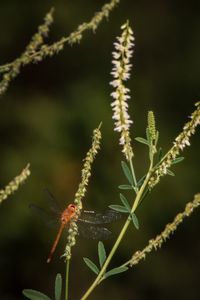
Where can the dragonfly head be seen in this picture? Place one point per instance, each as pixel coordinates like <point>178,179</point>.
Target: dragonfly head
<point>71,208</point>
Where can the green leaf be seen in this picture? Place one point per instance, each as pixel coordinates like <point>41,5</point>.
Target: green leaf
<point>58,287</point>
<point>135,220</point>
<point>125,187</point>
<point>35,295</point>
<point>115,271</point>
<point>125,202</point>
<point>169,172</point>
<point>177,160</point>
<point>119,208</point>
<point>101,253</point>
<point>91,265</point>
<point>142,140</point>
<point>140,181</point>
<point>160,153</point>
<point>127,173</point>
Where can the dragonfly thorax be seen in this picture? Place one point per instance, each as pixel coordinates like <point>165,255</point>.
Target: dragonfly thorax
<point>68,213</point>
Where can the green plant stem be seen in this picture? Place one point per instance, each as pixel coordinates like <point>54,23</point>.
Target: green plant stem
<point>67,280</point>
<point>122,233</point>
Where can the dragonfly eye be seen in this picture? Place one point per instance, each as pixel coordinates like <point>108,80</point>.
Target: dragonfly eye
<point>72,207</point>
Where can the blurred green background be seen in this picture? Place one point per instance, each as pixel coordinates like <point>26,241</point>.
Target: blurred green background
<point>47,117</point>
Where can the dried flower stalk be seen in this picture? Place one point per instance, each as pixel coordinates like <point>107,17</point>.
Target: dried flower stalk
<point>14,184</point>
<point>85,174</point>
<point>11,70</point>
<point>158,241</point>
<point>182,140</point>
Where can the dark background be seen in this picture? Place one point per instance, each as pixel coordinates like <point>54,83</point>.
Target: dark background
<point>47,117</point>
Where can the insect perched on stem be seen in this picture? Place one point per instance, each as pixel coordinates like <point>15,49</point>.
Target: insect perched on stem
<point>67,215</point>
<point>89,222</point>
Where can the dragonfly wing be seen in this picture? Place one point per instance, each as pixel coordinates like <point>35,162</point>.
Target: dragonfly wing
<point>106,217</point>
<point>94,232</point>
<point>53,204</point>
<point>44,216</point>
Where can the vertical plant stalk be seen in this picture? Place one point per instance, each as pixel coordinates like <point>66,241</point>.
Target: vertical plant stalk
<point>67,280</point>
<point>82,188</point>
<point>121,73</point>
<point>80,194</point>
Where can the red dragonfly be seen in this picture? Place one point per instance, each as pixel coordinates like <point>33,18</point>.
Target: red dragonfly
<point>67,215</point>
<point>89,222</point>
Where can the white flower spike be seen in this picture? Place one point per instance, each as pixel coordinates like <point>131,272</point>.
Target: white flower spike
<point>121,72</point>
